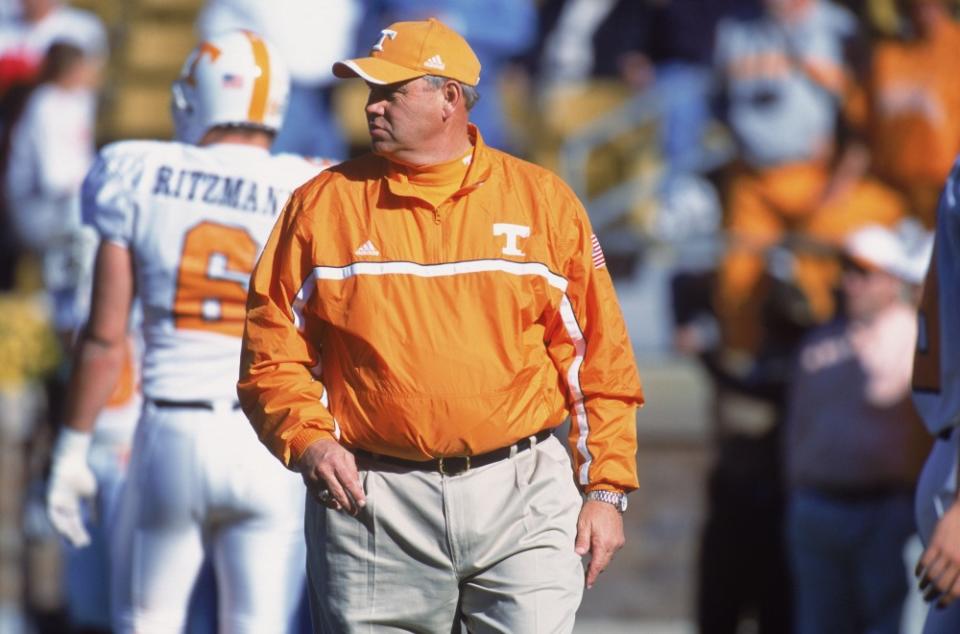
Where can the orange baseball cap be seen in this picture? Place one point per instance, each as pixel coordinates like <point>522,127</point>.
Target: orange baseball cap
<point>407,50</point>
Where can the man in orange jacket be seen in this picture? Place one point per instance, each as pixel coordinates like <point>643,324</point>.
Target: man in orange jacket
<point>420,320</point>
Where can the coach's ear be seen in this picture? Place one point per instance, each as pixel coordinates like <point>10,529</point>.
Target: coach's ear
<point>452,97</point>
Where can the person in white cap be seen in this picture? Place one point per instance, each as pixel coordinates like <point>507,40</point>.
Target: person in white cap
<point>854,445</point>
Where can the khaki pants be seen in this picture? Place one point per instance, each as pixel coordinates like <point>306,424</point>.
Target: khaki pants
<point>493,545</point>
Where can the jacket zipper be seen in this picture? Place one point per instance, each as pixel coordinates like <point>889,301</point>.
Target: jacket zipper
<point>439,226</point>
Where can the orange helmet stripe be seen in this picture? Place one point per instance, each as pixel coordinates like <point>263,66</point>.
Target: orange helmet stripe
<point>261,86</point>
<point>205,48</point>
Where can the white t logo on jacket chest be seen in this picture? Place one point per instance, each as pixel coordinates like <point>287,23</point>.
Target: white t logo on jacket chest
<point>513,232</point>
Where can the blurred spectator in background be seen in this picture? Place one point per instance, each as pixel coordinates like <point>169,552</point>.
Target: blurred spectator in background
<point>51,148</point>
<point>583,39</point>
<point>783,75</point>
<point>742,575</point>
<point>575,79</point>
<point>47,149</point>
<point>27,29</point>
<point>29,351</point>
<point>24,39</point>
<point>310,36</point>
<point>50,58</point>
<point>854,445</point>
<point>911,117</point>
<point>671,48</point>
<point>498,30</point>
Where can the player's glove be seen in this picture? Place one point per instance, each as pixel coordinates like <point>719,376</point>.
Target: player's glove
<point>71,480</point>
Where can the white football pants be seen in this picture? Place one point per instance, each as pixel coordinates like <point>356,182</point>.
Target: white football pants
<point>199,481</point>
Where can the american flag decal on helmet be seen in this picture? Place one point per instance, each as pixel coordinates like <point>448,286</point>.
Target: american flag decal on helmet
<point>232,81</point>
<point>598,260</point>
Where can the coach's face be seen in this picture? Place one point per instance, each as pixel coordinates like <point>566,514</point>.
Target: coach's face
<point>404,118</point>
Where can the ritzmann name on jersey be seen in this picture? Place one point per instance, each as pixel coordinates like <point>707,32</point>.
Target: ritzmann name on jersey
<point>216,189</point>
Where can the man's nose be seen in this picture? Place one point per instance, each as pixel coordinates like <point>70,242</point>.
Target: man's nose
<point>374,106</point>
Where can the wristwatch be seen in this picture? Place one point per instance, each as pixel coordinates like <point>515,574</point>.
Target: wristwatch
<point>619,500</point>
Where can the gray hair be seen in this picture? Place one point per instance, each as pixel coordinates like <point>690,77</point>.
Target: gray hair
<point>470,94</point>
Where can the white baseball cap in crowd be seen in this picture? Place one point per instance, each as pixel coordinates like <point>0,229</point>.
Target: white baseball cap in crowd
<point>903,252</point>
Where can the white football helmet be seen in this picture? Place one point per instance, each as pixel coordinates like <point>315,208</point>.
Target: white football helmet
<point>235,78</point>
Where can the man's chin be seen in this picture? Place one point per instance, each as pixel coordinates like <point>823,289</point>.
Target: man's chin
<point>380,148</point>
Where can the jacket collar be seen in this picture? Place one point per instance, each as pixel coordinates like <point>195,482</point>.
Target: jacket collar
<point>478,172</point>
<point>480,167</point>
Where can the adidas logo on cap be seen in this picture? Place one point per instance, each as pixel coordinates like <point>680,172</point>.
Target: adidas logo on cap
<point>435,62</point>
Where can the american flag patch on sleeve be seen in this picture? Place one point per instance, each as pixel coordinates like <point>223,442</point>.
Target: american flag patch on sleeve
<point>598,260</point>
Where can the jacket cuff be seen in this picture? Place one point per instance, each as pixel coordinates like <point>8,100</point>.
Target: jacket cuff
<point>604,487</point>
<point>299,443</point>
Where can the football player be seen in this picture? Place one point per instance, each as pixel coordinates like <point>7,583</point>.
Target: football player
<point>181,225</point>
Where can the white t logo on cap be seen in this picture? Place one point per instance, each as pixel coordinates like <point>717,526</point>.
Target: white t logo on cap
<point>384,34</point>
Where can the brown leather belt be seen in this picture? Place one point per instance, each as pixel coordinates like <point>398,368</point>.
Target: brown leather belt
<point>454,465</point>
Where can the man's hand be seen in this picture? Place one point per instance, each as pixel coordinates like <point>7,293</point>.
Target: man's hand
<point>939,566</point>
<point>71,480</point>
<point>330,473</point>
<point>600,533</point>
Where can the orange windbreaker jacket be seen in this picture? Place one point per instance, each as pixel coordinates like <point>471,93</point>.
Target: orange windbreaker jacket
<point>415,331</point>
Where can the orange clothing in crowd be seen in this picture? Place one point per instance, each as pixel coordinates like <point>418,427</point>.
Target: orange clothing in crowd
<point>417,331</point>
<point>915,114</point>
<point>764,206</point>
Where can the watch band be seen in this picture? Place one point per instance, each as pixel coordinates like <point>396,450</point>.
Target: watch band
<point>618,500</point>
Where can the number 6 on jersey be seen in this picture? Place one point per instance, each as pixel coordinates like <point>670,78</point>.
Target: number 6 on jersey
<point>215,268</point>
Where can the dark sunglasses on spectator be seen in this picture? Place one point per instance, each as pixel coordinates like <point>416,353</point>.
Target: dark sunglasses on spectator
<point>857,266</point>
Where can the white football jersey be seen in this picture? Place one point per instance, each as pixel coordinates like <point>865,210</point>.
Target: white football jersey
<point>936,363</point>
<point>195,220</point>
